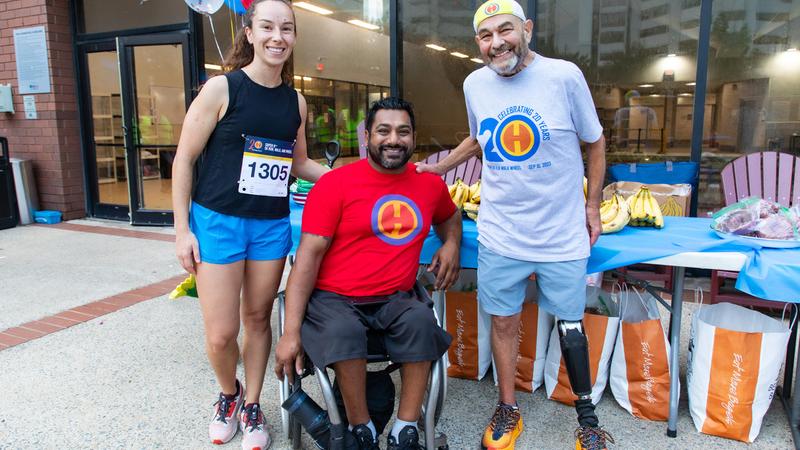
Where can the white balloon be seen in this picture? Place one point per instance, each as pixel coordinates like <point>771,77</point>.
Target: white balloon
<point>206,7</point>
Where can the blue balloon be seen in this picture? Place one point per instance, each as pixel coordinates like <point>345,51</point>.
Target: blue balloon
<point>236,6</point>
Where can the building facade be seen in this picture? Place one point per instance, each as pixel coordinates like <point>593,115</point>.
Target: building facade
<point>702,80</point>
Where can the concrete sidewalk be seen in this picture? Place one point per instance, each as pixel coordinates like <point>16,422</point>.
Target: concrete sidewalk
<point>129,370</point>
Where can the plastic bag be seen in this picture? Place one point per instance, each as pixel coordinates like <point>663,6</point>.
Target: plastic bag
<point>757,217</point>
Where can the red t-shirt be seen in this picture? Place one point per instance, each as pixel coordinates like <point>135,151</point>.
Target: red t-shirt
<point>377,224</point>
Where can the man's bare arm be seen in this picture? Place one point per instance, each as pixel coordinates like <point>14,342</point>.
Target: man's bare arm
<point>595,174</point>
<point>302,278</point>
<point>446,260</point>
<point>468,148</point>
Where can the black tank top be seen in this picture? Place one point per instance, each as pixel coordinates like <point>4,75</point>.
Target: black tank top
<point>253,110</point>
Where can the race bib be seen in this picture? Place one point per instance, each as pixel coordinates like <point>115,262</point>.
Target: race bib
<point>266,164</point>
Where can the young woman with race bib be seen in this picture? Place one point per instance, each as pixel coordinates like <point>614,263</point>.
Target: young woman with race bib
<point>232,227</point>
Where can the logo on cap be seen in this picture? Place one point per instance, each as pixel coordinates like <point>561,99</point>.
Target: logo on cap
<point>491,8</point>
<point>396,219</point>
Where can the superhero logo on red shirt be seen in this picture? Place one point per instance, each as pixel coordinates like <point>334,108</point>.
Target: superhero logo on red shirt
<point>396,219</point>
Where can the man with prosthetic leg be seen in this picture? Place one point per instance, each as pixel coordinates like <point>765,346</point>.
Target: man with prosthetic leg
<point>528,115</point>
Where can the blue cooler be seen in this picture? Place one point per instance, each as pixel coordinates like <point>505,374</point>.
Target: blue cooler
<point>656,173</point>
<point>48,217</point>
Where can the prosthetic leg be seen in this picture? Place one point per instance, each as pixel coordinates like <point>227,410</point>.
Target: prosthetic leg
<point>575,350</point>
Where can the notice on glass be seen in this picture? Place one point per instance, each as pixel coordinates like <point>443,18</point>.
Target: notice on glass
<point>30,50</point>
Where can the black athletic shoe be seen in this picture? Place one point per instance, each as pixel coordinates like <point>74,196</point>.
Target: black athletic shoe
<point>408,437</point>
<point>364,437</point>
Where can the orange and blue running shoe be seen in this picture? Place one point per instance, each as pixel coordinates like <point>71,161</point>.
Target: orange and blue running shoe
<point>503,429</point>
<point>592,438</point>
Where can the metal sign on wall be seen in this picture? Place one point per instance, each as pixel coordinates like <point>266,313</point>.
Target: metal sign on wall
<point>30,51</point>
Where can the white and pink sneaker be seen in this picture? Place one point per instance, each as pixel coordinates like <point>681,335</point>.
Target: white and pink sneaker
<point>254,429</point>
<point>225,422</point>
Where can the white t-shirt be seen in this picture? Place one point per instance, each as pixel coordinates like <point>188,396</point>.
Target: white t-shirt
<point>529,126</point>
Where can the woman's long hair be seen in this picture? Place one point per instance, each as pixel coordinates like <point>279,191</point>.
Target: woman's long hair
<point>242,53</point>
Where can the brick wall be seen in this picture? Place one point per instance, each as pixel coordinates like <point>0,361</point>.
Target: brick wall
<point>52,141</point>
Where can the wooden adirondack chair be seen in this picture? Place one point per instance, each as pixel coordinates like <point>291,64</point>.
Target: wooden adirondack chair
<point>770,175</point>
<point>469,171</point>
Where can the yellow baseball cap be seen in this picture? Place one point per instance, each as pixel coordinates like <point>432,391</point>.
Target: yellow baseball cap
<point>496,7</point>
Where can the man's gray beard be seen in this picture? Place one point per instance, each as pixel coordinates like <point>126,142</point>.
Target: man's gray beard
<point>515,67</point>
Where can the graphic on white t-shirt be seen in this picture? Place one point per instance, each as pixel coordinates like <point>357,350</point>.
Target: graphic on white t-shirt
<point>514,137</point>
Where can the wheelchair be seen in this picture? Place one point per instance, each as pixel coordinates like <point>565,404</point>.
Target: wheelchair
<point>431,405</point>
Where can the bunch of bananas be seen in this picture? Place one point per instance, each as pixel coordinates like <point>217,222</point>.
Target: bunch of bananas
<point>645,211</point>
<point>672,208</point>
<point>614,214</point>
<point>466,197</point>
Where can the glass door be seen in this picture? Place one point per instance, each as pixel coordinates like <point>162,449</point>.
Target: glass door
<point>155,82</point>
<point>105,141</point>
<point>138,88</point>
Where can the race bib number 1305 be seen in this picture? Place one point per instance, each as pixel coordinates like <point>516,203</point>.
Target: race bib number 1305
<point>266,164</point>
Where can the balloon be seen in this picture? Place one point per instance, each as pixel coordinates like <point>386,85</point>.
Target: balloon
<point>236,6</point>
<point>206,7</point>
<point>246,3</point>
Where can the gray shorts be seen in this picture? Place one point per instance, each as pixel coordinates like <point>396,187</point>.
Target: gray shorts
<point>502,282</point>
<point>335,328</point>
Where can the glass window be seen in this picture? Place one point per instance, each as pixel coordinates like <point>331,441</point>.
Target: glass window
<point>640,67</point>
<point>341,57</point>
<point>321,122</point>
<point>617,19</point>
<point>439,51</point>
<point>753,93</point>
<point>655,12</point>
<point>103,15</point>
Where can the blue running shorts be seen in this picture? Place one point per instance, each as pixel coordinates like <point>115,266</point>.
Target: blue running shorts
<point>502,282</point>
<point>225,239</point>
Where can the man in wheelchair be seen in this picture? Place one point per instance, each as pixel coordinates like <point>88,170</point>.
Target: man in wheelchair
<point>363,229</point>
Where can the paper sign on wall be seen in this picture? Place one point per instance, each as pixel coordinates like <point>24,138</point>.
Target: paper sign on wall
<point>29,102</point>
<point>30,51</point>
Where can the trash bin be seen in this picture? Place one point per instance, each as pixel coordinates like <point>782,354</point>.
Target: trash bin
<point>8,199</point>
<point>25,185</point>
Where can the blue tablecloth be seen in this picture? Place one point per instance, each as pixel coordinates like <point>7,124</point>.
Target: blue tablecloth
<point>772,274</point>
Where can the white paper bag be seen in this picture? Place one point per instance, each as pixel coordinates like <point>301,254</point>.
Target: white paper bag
<point>735,356</point>
<point>470,353</point>
<point>601,332</point>
<point>640,371</point>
